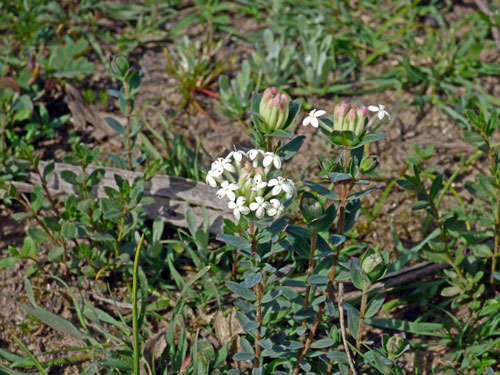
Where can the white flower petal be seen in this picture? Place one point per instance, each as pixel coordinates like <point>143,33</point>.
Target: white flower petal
<point>314,122</point>
<point>373,108</point>
<point>260,212</point>
<point>244,210</point>
<point>319,113</point>
<point>254,206</point>
<point>236,214</point>
<point>307,121</point>
<point>268,159</point>
<point>271,211</point>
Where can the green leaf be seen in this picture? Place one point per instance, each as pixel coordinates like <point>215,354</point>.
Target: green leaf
<point>68,230</point>
<point>358,277</point>
<point>288,150</point>
<point>243,356</point>
<point>344,138</point>
<point>421,205</point>
<point>236,241</point>
<point>338,356</point>
<point>48,318</point>
<point>7,262</point>
<point>294,108</point>
<point>116,126</point>
<point>352,319</point>
<point>374,305</point>
<point>18,216</point>
<point>322,344</point>
<point>250,326</point>
<point>362,193</point>
<point>482,251</point>
<point>38,235</point>
<point>322,190</point>
<point>429,329</point>
<point>337,177</point>
<point>69,177</point>
<point>241,290</point>
<point>475,140</point>
<point>112,209</point>
<point>436,257</point>
<point>451,291</point>
<point>371,137</point>
<point>36,197</point>
<point>336,239</point>
<point>48,171</point>
<point>318,279</point>
<point>253,279</point>
<point>273,230</point>
<point>55,255</point>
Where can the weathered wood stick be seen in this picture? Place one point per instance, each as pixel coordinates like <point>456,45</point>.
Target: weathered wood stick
<point>172,195</point>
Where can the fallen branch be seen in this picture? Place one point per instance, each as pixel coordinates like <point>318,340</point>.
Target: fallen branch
<point>172,195</point>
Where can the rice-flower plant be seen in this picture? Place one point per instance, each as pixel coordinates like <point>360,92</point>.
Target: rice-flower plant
<point>350,124</point>
<point>252,182</point>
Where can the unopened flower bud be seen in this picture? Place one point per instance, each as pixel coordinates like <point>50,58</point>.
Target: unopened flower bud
<point>374,264</point>
<point>351,121</point>
<point>368,164</point>
<point>395,345</point>
<point>371,262</point>
<point>339,113</point>
<point>311,207</point>
<point>361,118</point>
<point>274,108</point>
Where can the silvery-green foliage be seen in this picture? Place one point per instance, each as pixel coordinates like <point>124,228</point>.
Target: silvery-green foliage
<point>237,93</point>
<point>316,55</point>
<point>276,58</point>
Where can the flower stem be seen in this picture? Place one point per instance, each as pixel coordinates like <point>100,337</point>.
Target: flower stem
<point>343,331</point>
<point>259,288</point>
<point>258,291</point>
<point>310,270</point>
<point>135,326</point>
<point>496,244</point>
<point>346,187</point>
<point>128,115</point>
<point>364,299</point>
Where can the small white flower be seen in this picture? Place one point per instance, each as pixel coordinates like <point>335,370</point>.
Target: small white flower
<point>380,109</point>
<point>236,155</point>
<point>257,183</point>
<point>280,184</point>
<point>312,118</point>
<point>226,190</point>
<point>259,206</point>
<point>211,178</point>
<point>252,154</point>
<point>271,157</point>
<point>239,207</point>
<point>222,164</point>
<point>274,208</point>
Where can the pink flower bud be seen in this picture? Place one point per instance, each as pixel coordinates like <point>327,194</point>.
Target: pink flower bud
<point>339,114</point>
<point>273,109</point>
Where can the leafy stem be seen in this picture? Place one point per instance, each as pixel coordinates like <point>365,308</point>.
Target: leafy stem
<point>128,115</point>
<point>364,299</point>
<point>346,187</point>
<point>310,270</point>
<point>258,292</point>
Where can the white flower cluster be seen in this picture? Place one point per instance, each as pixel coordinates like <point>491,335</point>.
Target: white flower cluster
<point>252,182</point>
